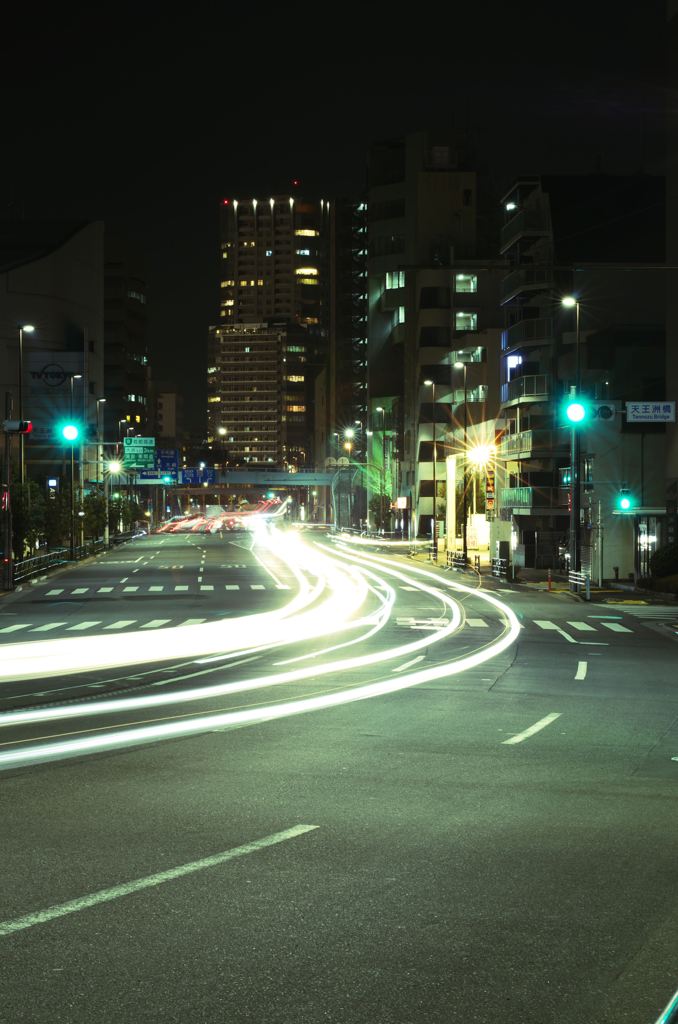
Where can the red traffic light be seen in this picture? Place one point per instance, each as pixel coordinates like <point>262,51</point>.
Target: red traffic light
<point>17,426</point>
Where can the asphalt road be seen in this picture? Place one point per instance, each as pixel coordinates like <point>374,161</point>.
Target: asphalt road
<point>492,844</point>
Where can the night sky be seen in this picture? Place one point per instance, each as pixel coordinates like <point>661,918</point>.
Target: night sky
<point>146,120</point>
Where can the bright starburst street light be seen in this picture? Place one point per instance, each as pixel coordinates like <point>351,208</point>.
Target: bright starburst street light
<point>480,454</point>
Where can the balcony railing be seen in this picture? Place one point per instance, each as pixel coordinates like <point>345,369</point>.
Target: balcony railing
<point>525,222</point>
<point>527,332</point>
<point>534,499</point>
<point>535,387</point>
<point>533,443</point>
<point>525,279</point>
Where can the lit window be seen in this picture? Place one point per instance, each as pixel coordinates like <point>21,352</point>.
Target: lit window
<point>466,321</point>
<point>227,284</point>
<point>260,282</point>
<point>214,398</point>
<point>465,283</point>
<point>303,252</point>
<point>296,378</point>
<point>137,419</point>
<point>243,284</point>
<point>307,271</point>
<point>306,233</point>
<point>395,279</point>
<point>227,302</point>
<point>400,315</point>
<point>307,280</point>
<point>296,408</point>
<point>269,252</point>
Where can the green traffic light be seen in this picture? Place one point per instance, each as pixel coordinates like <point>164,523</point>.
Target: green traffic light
<point>624,500</point>
<point>70,432</point>
<point>575,412</point>
<point>625,503</point>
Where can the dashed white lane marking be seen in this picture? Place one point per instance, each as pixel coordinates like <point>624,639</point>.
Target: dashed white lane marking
<point>476,623</point>
<point>282,586</point>
<point>257,586</point>
<point>84,625</point>
<point>207,586</point>
<point>129,590</point>
<point>231,586</point>
<point>18,924</point>
<point>47,627</point>
<point>409,664</point>
<point>154,623</point>
<point>616,627</point>
<point>124,579</point>
<point>80,590</point>
<point>121,623</point>
<point>52,593</point>
<point>104,590</point>
<point>537,727</point>
<point>408,588</point>
<point>156,590</point>
<point>181,586</point>
<point>581,670</point>
<point>582,626</point>
<point>13,629</point>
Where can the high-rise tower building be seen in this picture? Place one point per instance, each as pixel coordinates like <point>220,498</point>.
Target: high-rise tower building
<point>271,339</point>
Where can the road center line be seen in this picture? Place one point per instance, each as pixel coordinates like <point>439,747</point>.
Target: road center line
<point>537,727</point>
<point>18,924</point>
<point>581,670</point>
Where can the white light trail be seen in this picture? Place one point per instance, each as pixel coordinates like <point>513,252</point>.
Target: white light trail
<point>343,591</point>
<point>133,735</point>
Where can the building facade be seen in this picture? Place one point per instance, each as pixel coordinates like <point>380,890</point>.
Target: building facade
<point>432,294</point>
<point>271,340</point>
<point>594,240</point>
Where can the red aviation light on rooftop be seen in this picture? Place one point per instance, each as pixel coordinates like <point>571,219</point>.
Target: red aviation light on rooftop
<point>225,202</point>
<point>295,182</point>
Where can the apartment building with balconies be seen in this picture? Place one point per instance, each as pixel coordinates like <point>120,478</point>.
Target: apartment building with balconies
<point>598,239</point>
<point>432,293</point>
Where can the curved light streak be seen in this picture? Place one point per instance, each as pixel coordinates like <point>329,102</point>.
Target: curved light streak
<point>304,617</point>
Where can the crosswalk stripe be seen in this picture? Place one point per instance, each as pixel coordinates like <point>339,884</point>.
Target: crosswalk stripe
<point>129,590</point>
<point>282,586</point>
<point>47,627</point>
<point>477,623</point>
<point>207,586</point>
<point>192,622</point>
<point>582,626</point>
<point>104,590</point>
<point>156,590</point>
<point>84,625</point>
<point>231,586</point>
<point>545,624</point>
<point>80,590</point>
<point>181,586</point>
<point>13,629</point>
<point>154,623</point>
<point>52,593</point>
<point>616,627</point>
<point>121,623</point>
<point>257,586</point>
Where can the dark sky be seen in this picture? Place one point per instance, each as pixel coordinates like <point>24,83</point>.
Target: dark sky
<point>145,119</point>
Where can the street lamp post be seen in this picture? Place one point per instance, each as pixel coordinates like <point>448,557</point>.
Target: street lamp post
<point>349,434</point>
<point>569,301</point>
<point>431,384</point>
<point>464,497</point>
<point>381,409</point>
<point>113,467</point>
<point>23,329</point>
<point>101,471</point>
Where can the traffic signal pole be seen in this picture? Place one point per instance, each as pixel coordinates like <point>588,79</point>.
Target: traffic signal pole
<point>575,458</point>
<point>7,563</point>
